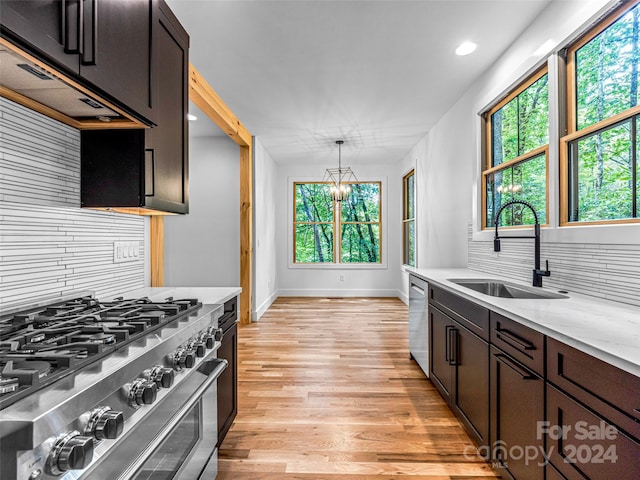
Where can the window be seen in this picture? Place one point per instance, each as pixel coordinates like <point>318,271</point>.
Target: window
<point>325,231</point>
<point>408,219</point>
<point>517,151</point>
<point>600,175</point>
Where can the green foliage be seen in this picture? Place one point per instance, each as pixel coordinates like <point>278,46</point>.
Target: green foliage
<point>410,246</point>
<point>360,243</point>
<point>522,124</point>
<point>607,72</point>
<point>602,165</point>
<point>315,226</point>
<point>519,127</point>
<point>410,197</point>
<point>313,202</point>
<point>530,179</point>
<point>408,225</point>
<point>604,169</point>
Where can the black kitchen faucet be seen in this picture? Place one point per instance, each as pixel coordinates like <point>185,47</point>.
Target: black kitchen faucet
<point>537,273</point>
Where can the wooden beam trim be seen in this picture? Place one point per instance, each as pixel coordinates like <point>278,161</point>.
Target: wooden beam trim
<point>206,98</point>
<point>156,234</point>
<point>246,232</point>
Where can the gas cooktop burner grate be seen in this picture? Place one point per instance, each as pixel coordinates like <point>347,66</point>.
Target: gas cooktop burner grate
<point>44,344</point>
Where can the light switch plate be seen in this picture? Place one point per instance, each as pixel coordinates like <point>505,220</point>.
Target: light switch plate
<point>126,252</point>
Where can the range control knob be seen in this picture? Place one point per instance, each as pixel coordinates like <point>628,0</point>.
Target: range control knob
<point>216,332</point>
<point>207,339</point>
<point>142,392</point>
<point>105,423</point>
<point>183,358</point>
<point>163,376</point>
<point>199,348</point>
<point>71,451</point>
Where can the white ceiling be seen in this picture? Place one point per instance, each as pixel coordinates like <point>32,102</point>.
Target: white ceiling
<point>301,74</point>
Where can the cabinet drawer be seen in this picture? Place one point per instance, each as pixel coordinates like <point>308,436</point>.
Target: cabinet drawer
<point>467,313</point>
<point>582,445</point>
<point>520,342</point>
<point>612,392</point>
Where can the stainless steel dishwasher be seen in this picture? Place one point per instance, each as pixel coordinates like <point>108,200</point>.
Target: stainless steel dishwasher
<point>418,322</point>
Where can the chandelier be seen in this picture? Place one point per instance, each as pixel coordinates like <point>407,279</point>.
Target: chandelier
<point>340,178</point>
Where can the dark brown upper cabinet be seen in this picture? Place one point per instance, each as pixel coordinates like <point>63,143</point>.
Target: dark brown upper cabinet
<point>104,45</point>
<point>146,171</point>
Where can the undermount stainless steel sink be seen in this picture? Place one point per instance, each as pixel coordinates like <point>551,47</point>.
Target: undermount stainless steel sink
<point>497,288</point>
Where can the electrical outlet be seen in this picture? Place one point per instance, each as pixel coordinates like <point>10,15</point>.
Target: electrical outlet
<point>342,278</point>
<point>126,252</point>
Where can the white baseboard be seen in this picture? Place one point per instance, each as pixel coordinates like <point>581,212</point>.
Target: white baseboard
<point>255,316</point>
<point>301,292</point>
<point>404,297</point>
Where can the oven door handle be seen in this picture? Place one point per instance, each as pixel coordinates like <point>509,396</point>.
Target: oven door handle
<point>213,369</point>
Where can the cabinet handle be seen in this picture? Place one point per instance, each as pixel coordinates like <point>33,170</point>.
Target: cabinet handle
<point>453,335</point>
<point>447,331</point>
<point>415,288</point>
<point>71,24</point>
<point>522,344</point>
<point>525,375</point>
<point>90,58</point>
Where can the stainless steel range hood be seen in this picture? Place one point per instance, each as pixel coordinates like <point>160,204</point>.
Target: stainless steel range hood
<point>33,84</point>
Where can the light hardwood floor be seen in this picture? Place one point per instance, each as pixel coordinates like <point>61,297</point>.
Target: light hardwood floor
<point>327,391</point>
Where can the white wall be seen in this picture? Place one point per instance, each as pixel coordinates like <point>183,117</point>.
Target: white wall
<point>203,247</point>
<point>447,160</point>
<point>49,246</point>
<point>296,280</point>
<point>265,238</point>
<point>443,195</point>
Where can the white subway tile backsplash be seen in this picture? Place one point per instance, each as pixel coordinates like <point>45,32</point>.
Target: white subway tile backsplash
<point>48,245</point>
<point>609,271</point>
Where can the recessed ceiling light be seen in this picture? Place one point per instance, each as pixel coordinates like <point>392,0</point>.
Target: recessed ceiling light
<point>191,117</point>
<point>466,48</point>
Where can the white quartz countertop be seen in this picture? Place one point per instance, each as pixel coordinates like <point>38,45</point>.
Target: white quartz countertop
<point>206,295</point>
<point>604,329</point>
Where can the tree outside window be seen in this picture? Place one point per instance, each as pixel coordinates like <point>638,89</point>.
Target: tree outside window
<point>337,232</point>
<point>602,178</point>
<point>517,152</point>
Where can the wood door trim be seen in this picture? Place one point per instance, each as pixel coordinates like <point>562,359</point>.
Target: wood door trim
<point>206,98</point>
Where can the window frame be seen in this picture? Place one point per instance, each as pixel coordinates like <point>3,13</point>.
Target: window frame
<point>573,135</point>
<point>406,220</point>
<point>295,223</point>
<point>487,157</point>
<point>337,228</point>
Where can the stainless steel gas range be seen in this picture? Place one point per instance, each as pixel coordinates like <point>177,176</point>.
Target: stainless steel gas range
<point>124,389</point>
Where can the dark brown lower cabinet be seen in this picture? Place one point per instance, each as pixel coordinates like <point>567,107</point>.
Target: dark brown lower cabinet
<point>553,474</point>
<point>517,410</point>
<point>441,373</point>
<point>460,371</point>
<point>228,383</point>
<point>583,445</point>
